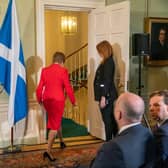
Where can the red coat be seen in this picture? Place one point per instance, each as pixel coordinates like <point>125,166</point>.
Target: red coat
<point>54,79</point>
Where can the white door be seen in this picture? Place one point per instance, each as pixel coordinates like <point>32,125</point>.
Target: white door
<point>108,23</point>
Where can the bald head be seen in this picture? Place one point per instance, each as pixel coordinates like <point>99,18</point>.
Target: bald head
<point>129,108</point>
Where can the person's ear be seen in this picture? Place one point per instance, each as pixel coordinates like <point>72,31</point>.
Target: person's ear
<point>119,115</point>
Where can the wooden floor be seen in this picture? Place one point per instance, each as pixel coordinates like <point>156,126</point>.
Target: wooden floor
<point>73,141</point>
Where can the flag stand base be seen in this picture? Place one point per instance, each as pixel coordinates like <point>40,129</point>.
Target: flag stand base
<point>12,149</point>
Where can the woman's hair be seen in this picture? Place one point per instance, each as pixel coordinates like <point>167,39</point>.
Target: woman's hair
<point>58,57</point>
<point>104,48</point>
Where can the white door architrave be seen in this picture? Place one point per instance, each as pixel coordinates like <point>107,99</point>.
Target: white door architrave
<point>41,5</point>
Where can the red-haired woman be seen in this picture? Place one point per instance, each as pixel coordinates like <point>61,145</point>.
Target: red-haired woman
<point>104,87</point>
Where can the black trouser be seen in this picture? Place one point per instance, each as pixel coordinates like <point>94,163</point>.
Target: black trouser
<point>109,121</point>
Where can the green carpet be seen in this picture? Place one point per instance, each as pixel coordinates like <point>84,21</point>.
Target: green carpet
<point>72,129</point>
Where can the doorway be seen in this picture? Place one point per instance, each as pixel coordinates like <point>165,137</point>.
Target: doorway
<point>104,22</point>
<point>67,31</point>
<point>41,6</point>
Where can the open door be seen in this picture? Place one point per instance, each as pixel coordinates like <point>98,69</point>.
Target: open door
<point>108,23</point>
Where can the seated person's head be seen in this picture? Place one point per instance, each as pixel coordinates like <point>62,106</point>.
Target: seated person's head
<point>158,105</point>
<point>129,108</point>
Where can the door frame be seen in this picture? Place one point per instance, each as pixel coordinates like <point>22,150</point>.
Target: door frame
<point>41,5</point>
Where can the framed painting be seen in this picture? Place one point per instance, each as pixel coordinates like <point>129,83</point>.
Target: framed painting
<point>158,30</point>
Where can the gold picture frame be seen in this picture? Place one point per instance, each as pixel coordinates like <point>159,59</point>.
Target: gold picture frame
<point>158,30</point>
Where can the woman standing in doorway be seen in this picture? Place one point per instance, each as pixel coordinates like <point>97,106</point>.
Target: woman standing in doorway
<point>104,88</point>
<point>50,93</point>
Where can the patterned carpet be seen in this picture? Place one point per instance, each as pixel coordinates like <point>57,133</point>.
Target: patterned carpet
<point>67,158</point>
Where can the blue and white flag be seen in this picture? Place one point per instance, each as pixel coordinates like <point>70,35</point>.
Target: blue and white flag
<point>12,68</point>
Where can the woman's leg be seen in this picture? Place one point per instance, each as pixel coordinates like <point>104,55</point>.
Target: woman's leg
<point>114,123</point>
<point>109,121</point>
<point>55,110</point>
<point>51,138</point>
<point>59,133</point>
<point>106,116</point>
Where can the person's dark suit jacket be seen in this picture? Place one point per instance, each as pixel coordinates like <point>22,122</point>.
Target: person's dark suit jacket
<point>161,136</point>
<point>104,81</point>
<point>133,148</point>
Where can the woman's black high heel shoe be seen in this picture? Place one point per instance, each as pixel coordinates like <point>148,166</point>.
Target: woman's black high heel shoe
<point>62,145</point>
<point>46,155</point>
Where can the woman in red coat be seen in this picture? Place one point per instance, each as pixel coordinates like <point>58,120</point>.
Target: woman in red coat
<point>50,93</point>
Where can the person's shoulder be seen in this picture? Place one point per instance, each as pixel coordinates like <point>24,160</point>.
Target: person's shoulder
<point>47,67</point>
<point>64,69</point>
<point>109,61</point>
<point>44,69</point>
<point>111,145</point>
<point>135,132</point>
<point>142,127</point>
<point>146,135</point>
<point>144,130</point>
<point>165,124</point>
<point>123,139</point>
<point>163,128</point>
<point>137,129</point>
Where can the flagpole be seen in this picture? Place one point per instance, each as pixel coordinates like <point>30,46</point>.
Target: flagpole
<point>13,148</point>
<point>11,138</point>
<point>13,69</point>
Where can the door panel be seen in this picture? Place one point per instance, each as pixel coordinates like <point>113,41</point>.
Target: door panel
<point>108,23</point>
<point>100,23</point>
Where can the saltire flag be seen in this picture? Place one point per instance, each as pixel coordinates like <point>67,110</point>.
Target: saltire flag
<point>12,67</point>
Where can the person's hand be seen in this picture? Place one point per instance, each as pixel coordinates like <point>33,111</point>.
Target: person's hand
<point>75,104</point>
<point>41,103</point>
<point>42,106</point>
<point>102,102</point>
<point>75,108</point>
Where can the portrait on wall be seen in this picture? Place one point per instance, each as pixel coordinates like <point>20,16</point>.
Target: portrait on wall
<point>158,30</point>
